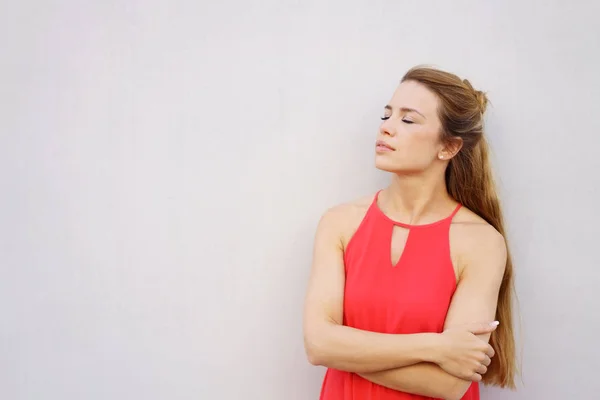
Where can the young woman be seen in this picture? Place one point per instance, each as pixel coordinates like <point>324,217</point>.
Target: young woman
<point>410,288</point>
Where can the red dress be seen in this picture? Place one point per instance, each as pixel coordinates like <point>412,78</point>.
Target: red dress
<point>412,296</point>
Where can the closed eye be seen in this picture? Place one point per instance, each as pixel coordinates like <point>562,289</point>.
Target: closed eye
<point>406,121</point>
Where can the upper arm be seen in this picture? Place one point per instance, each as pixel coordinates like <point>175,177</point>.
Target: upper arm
<point>325,292</point>
<point>484,261</point>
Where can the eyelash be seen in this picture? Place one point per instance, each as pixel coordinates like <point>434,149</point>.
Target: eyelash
<point>406,121</point>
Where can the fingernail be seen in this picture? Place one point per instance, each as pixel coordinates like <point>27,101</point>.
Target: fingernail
<point>495,323</point>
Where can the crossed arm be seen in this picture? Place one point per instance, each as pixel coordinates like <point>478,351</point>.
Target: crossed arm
<point>407,363</point>
<point>475,299</point>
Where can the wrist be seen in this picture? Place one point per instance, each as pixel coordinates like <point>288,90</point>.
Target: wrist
<point>433,347</point>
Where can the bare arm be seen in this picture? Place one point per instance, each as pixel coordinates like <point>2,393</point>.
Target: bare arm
<point>327,341</point>
<point>424,379</point>
<point>475,299</point>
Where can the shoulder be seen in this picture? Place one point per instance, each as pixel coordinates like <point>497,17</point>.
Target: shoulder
<point>477,244</point>
<point>343,219</point>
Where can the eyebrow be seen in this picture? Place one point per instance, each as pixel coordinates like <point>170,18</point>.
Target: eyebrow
<point>404,109</point>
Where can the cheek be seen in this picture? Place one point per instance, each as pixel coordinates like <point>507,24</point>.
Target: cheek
<point>415,151</point>
<point>417,144</point>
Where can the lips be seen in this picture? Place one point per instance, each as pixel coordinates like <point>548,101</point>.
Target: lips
<point>382,144</point>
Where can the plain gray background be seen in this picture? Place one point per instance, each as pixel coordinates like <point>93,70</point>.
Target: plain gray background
<point>163,166</point>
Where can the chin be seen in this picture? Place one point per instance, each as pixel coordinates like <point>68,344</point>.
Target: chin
<point>385,165</point>
<point>395,167</point>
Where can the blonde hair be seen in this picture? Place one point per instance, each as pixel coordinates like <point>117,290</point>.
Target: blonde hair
<point>469,181</point>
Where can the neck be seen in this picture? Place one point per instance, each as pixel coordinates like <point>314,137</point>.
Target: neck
<point>412,196</point>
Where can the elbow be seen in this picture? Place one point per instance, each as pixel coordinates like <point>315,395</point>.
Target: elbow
<point>314,355</point>
<point>457,390</point>
<point>314,347</point>
<point>453,397</point>
<point>314,358</point>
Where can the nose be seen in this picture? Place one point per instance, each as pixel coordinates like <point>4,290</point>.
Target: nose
<point>387,128</point>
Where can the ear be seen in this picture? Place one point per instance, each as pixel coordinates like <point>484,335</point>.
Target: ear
<point>451,148</point>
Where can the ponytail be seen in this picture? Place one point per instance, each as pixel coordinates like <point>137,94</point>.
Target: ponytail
<point>470,182</point>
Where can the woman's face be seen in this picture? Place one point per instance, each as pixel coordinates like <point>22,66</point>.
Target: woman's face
<point>409,139</point>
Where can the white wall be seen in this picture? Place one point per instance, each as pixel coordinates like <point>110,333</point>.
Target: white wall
<point>164,163</point>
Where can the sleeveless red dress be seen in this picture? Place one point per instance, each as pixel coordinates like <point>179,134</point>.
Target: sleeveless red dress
<point>412,296</point>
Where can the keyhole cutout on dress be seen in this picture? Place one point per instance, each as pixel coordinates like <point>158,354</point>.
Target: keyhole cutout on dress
<point>398,243</point>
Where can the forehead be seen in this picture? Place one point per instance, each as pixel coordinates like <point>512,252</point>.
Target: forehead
<point>411,94</point>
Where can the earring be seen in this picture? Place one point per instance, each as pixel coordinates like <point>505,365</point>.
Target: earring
<point>440,156</point>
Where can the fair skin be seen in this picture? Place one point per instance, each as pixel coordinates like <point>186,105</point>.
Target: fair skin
<point>440,365</point>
